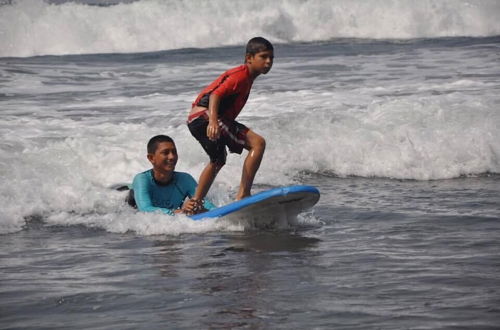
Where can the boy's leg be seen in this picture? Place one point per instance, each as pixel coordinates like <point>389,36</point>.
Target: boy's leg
<point>207,177</point>
<point>256,145</point>
<point>217,152</point>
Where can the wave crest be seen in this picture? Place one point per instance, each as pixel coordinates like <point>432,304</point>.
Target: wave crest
<point>32,27</point>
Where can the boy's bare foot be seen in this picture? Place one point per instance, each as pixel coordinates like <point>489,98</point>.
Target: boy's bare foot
<point>241,197</point>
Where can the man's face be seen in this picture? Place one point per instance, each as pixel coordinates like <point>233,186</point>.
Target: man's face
<point>165,157</point>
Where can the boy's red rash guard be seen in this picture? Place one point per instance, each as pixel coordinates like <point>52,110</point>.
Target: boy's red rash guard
<point>233,87</point>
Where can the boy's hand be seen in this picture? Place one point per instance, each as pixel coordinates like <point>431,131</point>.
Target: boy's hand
<point>193,206</point>
<point>188,207</point>
<point>213,130</point>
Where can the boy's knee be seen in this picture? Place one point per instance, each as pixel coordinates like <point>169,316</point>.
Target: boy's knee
<point>261,143</point>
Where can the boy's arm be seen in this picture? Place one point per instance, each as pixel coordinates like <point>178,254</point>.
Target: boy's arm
<point>213,129</point>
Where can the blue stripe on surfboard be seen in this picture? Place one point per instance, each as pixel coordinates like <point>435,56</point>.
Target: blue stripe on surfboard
<point>238,205</point>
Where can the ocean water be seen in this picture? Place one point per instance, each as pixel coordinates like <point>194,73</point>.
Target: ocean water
<point>391,109</point>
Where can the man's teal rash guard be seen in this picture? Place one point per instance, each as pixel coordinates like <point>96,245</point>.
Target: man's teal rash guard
<point>151,196</point>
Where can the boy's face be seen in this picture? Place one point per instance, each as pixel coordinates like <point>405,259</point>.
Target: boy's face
<point>164,158</point>
<point>261,62</point>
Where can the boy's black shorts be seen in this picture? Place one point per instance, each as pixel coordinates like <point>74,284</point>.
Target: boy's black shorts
<point>233,135</point>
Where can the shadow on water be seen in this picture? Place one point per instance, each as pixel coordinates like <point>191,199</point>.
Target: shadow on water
<point>262,241</point>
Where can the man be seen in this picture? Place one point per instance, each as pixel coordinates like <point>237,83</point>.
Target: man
<point>162,188</point>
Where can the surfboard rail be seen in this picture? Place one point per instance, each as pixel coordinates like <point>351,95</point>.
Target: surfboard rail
<point>288,194</point>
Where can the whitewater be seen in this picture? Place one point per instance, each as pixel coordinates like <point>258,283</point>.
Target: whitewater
<point>36,27</point>
<point>390,108</point>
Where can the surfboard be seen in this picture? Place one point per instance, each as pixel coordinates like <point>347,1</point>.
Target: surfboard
<point>275,207</point>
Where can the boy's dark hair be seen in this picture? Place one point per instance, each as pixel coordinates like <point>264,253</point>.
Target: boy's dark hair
<point>258,44</point>
<point>155,140</point>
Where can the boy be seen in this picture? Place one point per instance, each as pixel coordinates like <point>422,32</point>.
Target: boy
<point>161,188</point>
<point>212,119</point>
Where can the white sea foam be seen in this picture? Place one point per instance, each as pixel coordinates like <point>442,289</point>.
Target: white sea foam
<point>34,27</point>
<point>415,138</point>
<point>61,168</point>
<point>66,181</point>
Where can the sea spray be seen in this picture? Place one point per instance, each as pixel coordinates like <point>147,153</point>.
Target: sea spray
<point>32,27</point>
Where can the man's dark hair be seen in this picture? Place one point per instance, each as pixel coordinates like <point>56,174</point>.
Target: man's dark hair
<point>155,140</point>
<point>258,44</point>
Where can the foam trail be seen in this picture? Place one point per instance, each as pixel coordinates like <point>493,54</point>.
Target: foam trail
<point>33,27</point>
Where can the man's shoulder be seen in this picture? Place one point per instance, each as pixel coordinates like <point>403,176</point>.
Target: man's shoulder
<point>143,177</point>
<point>146,174</point>
<point>183,176</point>
<point>185,180</point>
